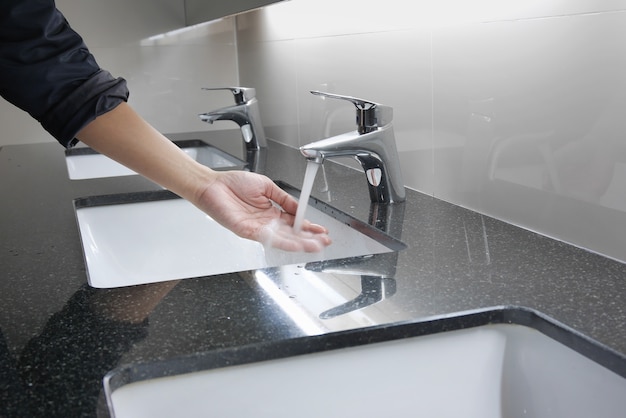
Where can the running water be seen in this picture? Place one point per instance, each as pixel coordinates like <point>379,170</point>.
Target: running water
<point>307,185</point>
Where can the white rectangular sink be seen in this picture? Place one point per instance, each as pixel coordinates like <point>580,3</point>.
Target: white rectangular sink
<point>486,371</point>
<point>149,237</point>
<point>85,163</point>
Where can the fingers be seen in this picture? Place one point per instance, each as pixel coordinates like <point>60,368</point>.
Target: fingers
<point>279,234</point>
<point>286,201</point>
<point>307,226</point>
<point>316,231</point>
<point>286,243</point>
<point>314,228</point>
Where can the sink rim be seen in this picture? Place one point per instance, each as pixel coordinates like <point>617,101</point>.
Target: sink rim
<point>371,231</point>
<point>275,350</point>
<point>380,237</point>
<point>237,163</point>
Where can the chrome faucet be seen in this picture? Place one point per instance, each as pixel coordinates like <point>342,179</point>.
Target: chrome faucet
<point>372,144</point>
<point>245,113</point>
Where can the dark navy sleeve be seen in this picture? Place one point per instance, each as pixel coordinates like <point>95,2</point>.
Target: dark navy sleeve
<point>47,70</point>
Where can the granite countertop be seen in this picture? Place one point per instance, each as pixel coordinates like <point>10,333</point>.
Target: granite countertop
<point>59,336</point>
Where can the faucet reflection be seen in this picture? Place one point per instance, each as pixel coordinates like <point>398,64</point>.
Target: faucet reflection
<point>373,290</point>
<point>377,271</point>
<point>372,144</point>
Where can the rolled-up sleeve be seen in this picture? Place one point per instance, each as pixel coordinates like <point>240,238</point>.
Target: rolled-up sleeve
<point>47,70</point>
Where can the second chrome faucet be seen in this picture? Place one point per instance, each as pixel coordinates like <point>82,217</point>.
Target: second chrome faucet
<point>245,113</point>
<point>372,144</point>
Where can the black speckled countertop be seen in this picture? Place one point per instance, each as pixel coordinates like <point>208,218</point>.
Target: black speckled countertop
<point>59,337</point>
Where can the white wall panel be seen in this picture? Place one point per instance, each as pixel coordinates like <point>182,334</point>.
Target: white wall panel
<point>514,109</point>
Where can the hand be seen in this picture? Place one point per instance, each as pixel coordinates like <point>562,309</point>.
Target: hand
<point>253,207</point>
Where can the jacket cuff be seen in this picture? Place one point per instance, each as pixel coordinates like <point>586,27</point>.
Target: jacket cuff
<point>96,96</point>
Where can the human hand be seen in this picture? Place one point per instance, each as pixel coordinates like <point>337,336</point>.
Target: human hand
<point>253,207</point>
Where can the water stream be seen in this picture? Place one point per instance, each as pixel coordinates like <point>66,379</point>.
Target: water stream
<point>307,185</point>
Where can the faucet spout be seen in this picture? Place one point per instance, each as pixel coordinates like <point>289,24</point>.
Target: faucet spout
<point>374,147</point>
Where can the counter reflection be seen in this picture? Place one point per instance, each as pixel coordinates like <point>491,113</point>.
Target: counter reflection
<point>333,295</point>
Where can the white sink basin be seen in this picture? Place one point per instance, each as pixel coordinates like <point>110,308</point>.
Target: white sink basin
<point>489,371</point>
<point>85,163</point>
<point>150,237</point>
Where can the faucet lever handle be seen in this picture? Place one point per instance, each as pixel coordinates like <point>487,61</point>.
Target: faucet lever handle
<point>241,94</point>
<point>369,115</point>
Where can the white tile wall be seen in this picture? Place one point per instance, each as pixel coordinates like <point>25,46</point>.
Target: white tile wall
<point>511,108</point>
<point>166,74</point>
<point>538,120</point>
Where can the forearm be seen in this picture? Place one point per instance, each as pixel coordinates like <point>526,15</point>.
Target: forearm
<point>242,201</point>
<point>124,136</point>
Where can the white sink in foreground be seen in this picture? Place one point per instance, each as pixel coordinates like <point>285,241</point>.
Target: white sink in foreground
<point>85,163</point>
<point>488,371</point>
<point>150,241</point>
